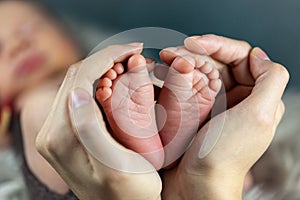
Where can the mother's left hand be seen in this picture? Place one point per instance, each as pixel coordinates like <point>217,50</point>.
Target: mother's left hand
<point>80,148</point>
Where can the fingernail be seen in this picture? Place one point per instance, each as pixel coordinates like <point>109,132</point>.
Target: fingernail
<point>193,43</point>
<point>170,49</point>
<point>260,54</point>
<point>190,60</point>
<point>195,37</point>
<point>136,44</point>
<point>80,97</point>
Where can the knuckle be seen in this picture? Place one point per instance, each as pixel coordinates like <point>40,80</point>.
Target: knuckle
<point>261,117</point>
<point>281,72</point>
<point>51,144</point>
<point>284,72</point>
<point>246,44</point>
<point>40,146</point>
<point>48,145</point>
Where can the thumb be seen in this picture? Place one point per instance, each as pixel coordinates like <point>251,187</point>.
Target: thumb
<point>90,128</point>
<point>270,81</point>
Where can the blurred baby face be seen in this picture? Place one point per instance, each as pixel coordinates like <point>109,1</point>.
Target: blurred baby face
<point>32,48</point>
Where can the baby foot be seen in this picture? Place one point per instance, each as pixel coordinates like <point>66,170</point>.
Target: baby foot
<point>127,99</point>
<point>187,96</point>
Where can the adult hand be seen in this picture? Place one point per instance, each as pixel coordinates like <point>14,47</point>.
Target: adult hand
<point>224,149</point>
<point>81,149</point>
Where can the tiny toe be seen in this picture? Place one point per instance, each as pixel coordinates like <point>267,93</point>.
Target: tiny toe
<point>136,61</point>
<point>111,74</point>
<point>214,74</point>
<point>206,68</point>
<point>102,94</point>
<point>168,55</point>
<point>105,82</point>
<point>150,64</point>
<point>215,85</point>
<point>183,64</point>
<point>119,68</point>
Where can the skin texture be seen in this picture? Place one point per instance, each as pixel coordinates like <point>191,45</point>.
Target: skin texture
<point>27,33</point>
<point>187,96</point>
<point>128,102</point>
<point>218,175</point>
<point>88,177</point>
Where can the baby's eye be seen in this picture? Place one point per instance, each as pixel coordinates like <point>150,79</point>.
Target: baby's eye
<point>27,29</point>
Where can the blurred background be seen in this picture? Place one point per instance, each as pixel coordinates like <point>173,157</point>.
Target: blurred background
<point>271,24</point>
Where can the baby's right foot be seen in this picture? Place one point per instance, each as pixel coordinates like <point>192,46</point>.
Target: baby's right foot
<point>128,102</point>
<point>187,97</point>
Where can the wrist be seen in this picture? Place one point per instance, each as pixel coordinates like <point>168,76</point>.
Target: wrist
<point>212,185</point>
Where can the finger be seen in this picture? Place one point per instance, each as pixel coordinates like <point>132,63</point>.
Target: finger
<point>56,129</point>
<point>270,81</point>
<point>56,139</point>
<point>224,50</point>
<point>92,133</point>
<point>99,63</point>
<point>169,54</point>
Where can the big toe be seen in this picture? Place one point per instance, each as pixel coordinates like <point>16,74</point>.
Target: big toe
<point>183,64</point>
<point>136,61</point>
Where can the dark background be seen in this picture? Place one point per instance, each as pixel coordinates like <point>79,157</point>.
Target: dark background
<point>274,25</point>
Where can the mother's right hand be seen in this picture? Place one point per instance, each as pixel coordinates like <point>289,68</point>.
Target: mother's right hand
<point>81,149</point>
<point>224,149</point>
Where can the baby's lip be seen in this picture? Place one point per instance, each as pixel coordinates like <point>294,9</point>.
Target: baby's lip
<point>29,64</point>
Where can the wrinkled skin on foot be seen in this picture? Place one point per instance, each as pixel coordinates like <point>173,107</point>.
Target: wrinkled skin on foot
<point>255,111</point>
<point>187,96</point>
<point>127,98</point>
<point>217,175</point>
<point>74,118</point>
